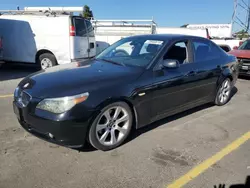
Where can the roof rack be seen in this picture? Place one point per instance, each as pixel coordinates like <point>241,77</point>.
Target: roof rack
<point>125,23</point>
<point>48,11</point>
<point>117,27</point>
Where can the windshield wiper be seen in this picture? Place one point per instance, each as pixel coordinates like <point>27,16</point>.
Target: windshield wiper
<point>110,61</point>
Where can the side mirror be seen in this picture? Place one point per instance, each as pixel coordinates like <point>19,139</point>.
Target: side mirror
<point>170,63</point>
<point>235,47</point>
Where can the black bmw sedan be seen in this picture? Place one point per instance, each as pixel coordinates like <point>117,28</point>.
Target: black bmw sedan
<point>134,82</point>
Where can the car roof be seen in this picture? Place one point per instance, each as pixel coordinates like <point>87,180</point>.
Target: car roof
<point>166,37</point>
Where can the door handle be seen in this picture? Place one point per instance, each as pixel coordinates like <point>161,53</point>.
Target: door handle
<point>191,73</point>
<point>219,67</point>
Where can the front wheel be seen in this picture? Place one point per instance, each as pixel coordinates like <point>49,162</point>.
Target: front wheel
<point>111,127</point>
<point>224,92</point>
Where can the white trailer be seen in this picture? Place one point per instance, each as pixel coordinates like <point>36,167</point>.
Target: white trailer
<point>46,35</point>
<point>109,31</point>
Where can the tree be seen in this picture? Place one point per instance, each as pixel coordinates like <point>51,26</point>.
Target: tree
<point>185,25</point>
<point>242,34</point>
<point>87,13</point>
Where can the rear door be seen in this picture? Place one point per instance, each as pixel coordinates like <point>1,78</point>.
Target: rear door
<point>207,57</point>
<point>91,37</point>
<point>79,40</point>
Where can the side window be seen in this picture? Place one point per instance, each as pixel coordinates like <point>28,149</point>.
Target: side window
<point>178,51</point>
<point>90,28</point>
<point>205,51</point>
<point>80,28</point>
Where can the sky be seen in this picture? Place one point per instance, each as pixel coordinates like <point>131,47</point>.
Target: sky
<point>171,13</point>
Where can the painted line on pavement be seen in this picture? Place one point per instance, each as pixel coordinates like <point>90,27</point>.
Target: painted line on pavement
<point>202,167</point>
<point>6,96</point>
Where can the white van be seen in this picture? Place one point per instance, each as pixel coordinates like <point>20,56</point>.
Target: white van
<point>46,40</point>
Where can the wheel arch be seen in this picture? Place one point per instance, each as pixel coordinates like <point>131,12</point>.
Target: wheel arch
<point>42,51</point>
<point>225,74</point>
<point>113,100</point>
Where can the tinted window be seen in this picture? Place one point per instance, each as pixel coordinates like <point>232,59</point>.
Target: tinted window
<point>205,51</point>
<point>80,27</point>
<point>178,52</point>
<point>90,29</point>
<point>245,45</point>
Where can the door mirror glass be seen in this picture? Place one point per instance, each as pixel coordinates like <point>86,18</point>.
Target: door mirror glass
<point>170,63</point>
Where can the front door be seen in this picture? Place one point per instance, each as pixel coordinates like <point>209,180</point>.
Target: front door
<point>176,89</point>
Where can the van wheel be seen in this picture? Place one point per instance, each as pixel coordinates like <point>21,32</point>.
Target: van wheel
<point>46,60</point>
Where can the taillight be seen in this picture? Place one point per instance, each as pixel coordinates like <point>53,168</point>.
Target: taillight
<point>72,31</point>
<point>240,43</point>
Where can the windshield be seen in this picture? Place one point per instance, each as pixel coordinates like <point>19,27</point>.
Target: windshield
<point>136,51</point>
<point>245,45</point>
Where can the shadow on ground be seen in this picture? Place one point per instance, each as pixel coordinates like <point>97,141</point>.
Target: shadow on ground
<point>246,185</point>
<point>11,71</point>
<point>244,77</point>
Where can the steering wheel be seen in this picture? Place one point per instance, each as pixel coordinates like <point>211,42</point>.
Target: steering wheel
<point>120,53</point>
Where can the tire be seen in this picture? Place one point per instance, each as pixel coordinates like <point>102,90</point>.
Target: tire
<point>111,127</point>
<point>46,60</point>
<point>223,93</point>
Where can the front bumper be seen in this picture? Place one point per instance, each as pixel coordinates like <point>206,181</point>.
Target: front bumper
<point>244,67</point>
<point>69,133</point>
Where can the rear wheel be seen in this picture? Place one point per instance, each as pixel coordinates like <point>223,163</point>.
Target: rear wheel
<point>224,92</point>
<point>46,60</point>
<point>111,127</point>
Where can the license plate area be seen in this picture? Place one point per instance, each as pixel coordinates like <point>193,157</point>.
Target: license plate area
<point>243,67</point>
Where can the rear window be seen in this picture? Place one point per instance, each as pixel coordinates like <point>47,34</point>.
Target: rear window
<point>90,29</point>
<point>80,27</point>
<point>205,51</point>
<point>83,27</point>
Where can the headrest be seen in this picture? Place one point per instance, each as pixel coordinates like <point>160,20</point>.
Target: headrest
<point>152,48</point>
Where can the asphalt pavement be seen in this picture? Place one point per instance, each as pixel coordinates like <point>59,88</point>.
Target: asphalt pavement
<point>188,149</point>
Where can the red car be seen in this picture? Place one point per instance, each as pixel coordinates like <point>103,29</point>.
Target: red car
<point>243,56</point>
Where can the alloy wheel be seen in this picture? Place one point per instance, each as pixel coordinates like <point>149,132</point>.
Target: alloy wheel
<point>224,93</point>
<point>112,125</point>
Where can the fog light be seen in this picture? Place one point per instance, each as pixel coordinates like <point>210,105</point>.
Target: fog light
<point>51,135</point>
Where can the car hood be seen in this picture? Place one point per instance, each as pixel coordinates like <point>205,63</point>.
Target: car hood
<point>76,78</point>
<point>240,53</point>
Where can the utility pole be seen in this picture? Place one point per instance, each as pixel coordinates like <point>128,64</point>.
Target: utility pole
<point>241,15</point>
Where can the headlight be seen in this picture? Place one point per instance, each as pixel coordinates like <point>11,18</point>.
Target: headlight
<point>63,104</point>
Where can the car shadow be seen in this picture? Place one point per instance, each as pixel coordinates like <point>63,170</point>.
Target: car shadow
<point>136,133</point>
<point>147,128</point>
<point>11,71</point>
<point>246,185</point>
<point>244,77</point>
